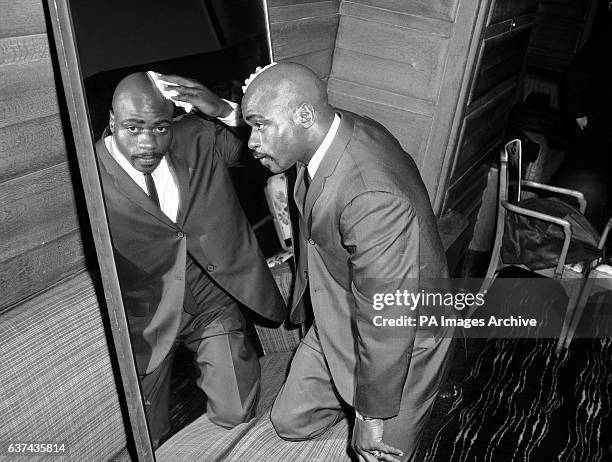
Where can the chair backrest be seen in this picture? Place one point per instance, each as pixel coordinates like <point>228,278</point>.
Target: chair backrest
<point>511,158</point>
<point>510,168</point>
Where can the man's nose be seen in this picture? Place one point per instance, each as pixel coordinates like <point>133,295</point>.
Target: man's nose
<point>253,140</point>
<point>146,141</point>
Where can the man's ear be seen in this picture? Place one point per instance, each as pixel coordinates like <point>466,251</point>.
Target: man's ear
<point>305,115</point>
<point>111,121</point>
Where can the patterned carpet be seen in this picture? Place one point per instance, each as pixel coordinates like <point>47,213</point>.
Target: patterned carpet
<point>517,400</point>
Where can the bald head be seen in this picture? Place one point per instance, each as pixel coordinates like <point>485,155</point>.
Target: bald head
<point>291,82</point>
<point>286,106</point>
<point>139,88</point>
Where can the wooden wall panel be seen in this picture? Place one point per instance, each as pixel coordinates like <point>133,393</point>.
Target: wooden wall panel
<point>304,31</point>
<point>40,240</point>
<point>21,146</point>
<point>500,71</point>
<point>410,127</point>
<point>15,50</point>
<point>502,58</point>
<point>437,9</point>
<point>407,64</point>
<point>28,92</point>
<point>39,268</point>
<point>376,55</point>
<point>465,196</point>
<point>483,128</point>
<point>294,11</point>
<point>35,209</point>
<point>362,10</point>
<point>320,33</point>
<point>21,17</point>
<point>506,9</point>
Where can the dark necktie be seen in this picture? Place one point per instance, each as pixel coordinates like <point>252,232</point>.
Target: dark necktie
<point>307,179</point>
<point>151,188</point>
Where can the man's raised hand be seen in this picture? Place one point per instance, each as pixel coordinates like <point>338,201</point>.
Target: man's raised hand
<point>193,92</point>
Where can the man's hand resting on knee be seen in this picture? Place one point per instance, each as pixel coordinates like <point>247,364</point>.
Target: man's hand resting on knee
<point>368,444</point>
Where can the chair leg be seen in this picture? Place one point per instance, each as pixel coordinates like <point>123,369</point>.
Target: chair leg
<point>582,301</point>
<point>572,289</point>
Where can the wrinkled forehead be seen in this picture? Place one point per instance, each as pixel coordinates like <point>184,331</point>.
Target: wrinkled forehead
<point>143,105</point>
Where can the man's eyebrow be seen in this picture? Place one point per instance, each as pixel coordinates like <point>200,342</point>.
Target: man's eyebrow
<point>140,121</point>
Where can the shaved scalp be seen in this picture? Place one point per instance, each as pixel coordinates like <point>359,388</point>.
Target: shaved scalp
<point>293,84</point>
<point>139,88</point>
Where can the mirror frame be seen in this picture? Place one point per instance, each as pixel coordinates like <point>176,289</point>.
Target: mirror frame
<point>72,81</point>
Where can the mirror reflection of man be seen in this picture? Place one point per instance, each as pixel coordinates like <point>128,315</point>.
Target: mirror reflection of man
<point>366,227</point>
<point>185,254</point>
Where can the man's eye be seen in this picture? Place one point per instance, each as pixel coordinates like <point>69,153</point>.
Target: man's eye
<point>132,129</point>
<point>161,129</point>
<point>258,125</point>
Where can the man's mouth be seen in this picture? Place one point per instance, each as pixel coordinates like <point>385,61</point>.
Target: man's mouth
<point>148,158</point>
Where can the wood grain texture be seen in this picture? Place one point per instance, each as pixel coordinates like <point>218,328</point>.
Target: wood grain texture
<point>509,25</point>
<point>502,58</point>
<point>280,3</point>
<point>464,196</point>
<point>14,50</point>
<point>438,9</point>
<point>40,267</point>
<point>28,92</point>
<point>396,18</point>
<point>30,146</point>
<point>483,128</point>
<point>36,209</point>
<point>409,128</point>
<point>391,58</point>
<point>506,9</point>
<point>387,98</point>
<point>21,17</point>
<point>319,61</point>
<point>302,10</point>
<point>303,36</point>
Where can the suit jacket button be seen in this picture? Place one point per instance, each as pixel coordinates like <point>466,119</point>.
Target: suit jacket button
<point>210,268</point>
<point>181,234</point>
<point>311,241</point>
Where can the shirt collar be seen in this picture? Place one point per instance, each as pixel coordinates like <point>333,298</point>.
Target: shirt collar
<point>316,159</point>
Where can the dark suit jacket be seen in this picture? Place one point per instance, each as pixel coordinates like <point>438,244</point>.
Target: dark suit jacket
<point>150,250</point>
<point>367,227</point>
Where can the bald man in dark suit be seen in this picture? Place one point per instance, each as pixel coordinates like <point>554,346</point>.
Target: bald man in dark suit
<point>366,229</point>
<point>186,256</point>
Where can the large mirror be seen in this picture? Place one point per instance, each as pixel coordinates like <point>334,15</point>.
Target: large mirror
<point>218,43</point>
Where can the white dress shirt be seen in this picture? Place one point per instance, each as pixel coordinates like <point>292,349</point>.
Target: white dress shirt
<point>166,187</point>
<point>317,157</point>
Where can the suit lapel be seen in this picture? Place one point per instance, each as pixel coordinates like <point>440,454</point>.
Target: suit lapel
<point>327,166</point>
<point>124,184</point>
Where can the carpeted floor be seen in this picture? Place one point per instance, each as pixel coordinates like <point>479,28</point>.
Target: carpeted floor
<point>517,400</point>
